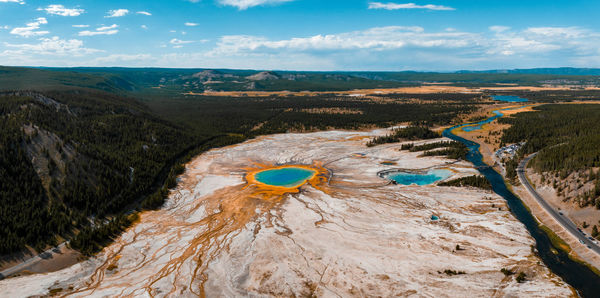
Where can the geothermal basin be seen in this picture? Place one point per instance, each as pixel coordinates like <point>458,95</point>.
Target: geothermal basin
<point>346,233</point>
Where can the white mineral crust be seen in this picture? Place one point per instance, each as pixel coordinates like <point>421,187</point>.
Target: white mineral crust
<point>361,237</point>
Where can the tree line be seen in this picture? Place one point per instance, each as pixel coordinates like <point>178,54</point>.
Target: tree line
<point>567,137</point>
<point>473,181</point>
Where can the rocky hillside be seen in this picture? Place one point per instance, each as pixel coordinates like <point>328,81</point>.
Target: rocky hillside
<point>264,76</point>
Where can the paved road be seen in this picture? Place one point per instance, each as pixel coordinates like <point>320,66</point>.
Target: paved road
<point>31,261</point>
<point>565,222</point>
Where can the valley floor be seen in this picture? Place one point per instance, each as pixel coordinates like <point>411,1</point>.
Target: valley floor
<point>348,233</point>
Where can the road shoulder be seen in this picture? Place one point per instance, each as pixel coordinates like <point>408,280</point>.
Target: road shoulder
<point>578,250</point>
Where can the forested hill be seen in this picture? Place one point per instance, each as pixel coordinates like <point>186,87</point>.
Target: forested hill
<point>67,157</point>
<point>22,78</point>
<point>567,137</point>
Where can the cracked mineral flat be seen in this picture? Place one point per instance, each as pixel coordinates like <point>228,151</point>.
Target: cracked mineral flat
<point>344,231</point>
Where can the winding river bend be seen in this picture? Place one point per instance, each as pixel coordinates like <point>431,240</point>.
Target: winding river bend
<point>584,280</point>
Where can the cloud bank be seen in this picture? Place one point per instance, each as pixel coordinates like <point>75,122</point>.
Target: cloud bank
<point>245,4</point>
<point>31,29</point>
<point>115,13</point>
<point>104,30</point>
<point>377,48</point>
<point>60,10</point>
<point>396,6</point>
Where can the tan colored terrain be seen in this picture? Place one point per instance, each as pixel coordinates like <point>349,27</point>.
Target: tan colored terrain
<point>424,89</point>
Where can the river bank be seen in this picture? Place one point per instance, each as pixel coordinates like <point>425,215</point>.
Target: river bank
<point>488,137</point>
<point>559,258</point>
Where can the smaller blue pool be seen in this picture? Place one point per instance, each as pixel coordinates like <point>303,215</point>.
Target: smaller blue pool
<point>509,98</point>
<point>433,217</point>
<point>409,178</point>
<point>284,177</point>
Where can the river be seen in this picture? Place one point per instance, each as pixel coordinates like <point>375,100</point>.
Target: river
<point>580,277</point>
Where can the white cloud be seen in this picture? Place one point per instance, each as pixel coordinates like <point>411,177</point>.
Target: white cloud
<point>94,33</point>
<point>499,29</point>
<point>379,48</point>
<point>245,4</point>
<point>395,6</point>
<point>57,9</point>
<point>30,28</point>
<point>50,46</point>
<point>379,38</point>
<point>542,40</point>
<point>80,26</point>
<point>511,44</point>
<point>567,32</point>
<point>177,43</point>
<point>121,58</point>
<point>144,27</point>
<point>104,30</point>
<point>395,47</point>
<point>115,13</point>
<point>144,13</point>
<point>12,1</point>
<point>189,24</point>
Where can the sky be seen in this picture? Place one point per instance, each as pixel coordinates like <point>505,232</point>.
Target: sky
<point>320,35</point>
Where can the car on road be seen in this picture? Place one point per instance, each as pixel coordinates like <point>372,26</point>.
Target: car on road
<point>560,213</point>
<point>581,241</point>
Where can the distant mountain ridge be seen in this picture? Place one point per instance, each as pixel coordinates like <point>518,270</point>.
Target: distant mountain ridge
<point>170,81</point>
<point>550,71</point>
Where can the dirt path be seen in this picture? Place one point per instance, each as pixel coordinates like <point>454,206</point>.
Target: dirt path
<point>53,259</point>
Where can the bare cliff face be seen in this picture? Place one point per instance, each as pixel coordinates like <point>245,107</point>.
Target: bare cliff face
<point>263,76</point>
<point>348,233</point>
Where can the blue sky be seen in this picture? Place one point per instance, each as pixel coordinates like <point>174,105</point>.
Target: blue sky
<point>302,34</point>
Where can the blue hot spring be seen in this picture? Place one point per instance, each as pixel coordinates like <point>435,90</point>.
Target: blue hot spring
<point>284,177</point>
<point>408,178</point>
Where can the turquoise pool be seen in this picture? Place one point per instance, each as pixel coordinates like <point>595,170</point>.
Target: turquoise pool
<point>509,98</point>
<point>409,178</point>
<point>284,177</point>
